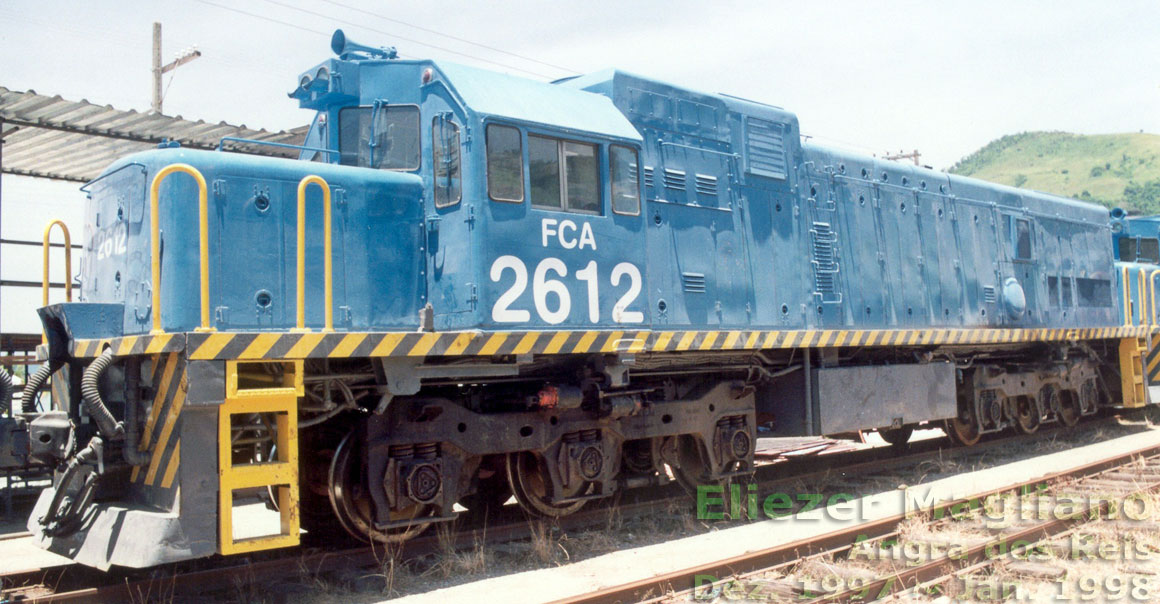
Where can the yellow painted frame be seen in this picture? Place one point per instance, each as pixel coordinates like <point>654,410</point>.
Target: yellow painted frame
<point>1132,378</point>
<point>284,401</point>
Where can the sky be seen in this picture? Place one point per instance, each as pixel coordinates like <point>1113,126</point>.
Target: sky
<point>941,77</point>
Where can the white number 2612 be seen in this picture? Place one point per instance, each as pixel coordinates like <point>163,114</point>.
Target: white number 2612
<point>550,296</point>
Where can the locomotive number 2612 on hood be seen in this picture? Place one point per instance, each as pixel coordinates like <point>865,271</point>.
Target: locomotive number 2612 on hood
<point>551,296</point>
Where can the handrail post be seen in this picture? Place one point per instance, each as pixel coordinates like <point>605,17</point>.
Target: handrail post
<point>1142,294</point>
<point>203,242</point>
<point>67,261</point>
<point>1127,286</point>
<point>327,261</point>
<point>1152,287</point>
<point>67,266</point>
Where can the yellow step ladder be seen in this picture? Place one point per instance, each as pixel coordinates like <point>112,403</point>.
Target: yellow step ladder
<point>1152,369</point>
<point>1132,354</point>
<point>248,394</point>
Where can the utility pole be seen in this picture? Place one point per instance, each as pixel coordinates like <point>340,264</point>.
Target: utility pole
<point>903,155</point>
<point>182,58</point>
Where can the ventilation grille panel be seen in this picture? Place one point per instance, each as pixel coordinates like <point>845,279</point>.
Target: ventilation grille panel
<point>765,148</point>
<point>825,261</point>
<point>706,185</point>
<point>693,282</point>
<point>674,179</point>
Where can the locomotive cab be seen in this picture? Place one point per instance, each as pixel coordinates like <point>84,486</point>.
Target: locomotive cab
<point>534,213</point>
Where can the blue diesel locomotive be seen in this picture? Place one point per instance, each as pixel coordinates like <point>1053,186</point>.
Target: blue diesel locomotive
<point>470,286</point>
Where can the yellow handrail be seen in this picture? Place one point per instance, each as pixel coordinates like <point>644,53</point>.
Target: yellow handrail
<point>327,262</point>
<point>67,261</point>
<point>1128,315</point>
<point>1152,283</point>
<point>67,266</point>
<point>203,240</point>
<point>1143,295</point>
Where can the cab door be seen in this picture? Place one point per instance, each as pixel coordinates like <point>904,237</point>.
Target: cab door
<point>565,237</point>
<point>449,221</point>
<point>1018,290</point>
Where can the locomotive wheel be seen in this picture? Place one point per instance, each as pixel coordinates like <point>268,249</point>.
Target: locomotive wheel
<point>692,469</point>
<point>1027,418</point>
<point>353,504</point>
<point>637,458</point>
<point>492,493</point>
<point>897,436</point>
<point>962,432</point>
<point>314,506</point>
<point>527,474</point>
<point>1069,411</point>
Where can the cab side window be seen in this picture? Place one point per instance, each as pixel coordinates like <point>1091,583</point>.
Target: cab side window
<point>564,174</point>
<point>390,143</point>
<point>544,170</point>
<point>624,167</point>
<point>1018,232</point>
<point>1022,239</point>
<point>1149,250</point>
<point>445,151</point>
<point>505,164</point>
<point>1128,249</point>
<point>583,178</point>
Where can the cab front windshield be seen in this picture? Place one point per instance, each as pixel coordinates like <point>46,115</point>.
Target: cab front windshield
<point>391,142</point>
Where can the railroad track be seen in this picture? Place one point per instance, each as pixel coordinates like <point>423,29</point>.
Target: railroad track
<point>860,562</point>
<point>74,583</point>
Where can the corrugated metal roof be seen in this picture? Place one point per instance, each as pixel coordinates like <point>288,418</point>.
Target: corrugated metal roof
<point>50,137</point>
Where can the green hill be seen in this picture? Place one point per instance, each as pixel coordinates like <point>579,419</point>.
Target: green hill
<point>1112,169</point>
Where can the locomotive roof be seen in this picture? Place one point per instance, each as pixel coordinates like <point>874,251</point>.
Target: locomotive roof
<point>520,99</point>
<point>610,82</point>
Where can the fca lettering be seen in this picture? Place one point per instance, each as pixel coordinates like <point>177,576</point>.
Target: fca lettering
<point>565,233</point>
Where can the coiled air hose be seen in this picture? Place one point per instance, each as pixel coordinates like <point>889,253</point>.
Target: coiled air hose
<point>5,391</point>
<point>64,511</point>
<point>35,383</point>
<point>92,397</point>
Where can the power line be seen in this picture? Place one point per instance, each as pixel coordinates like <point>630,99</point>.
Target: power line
<point>265,18</point>
<point>456,38</point>
<point>114,38</point>
<point>405,39</point>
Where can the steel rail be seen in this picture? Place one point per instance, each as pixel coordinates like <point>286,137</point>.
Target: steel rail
<point>512,525</point>
<point>983,553</point>
<point>682,580</point>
